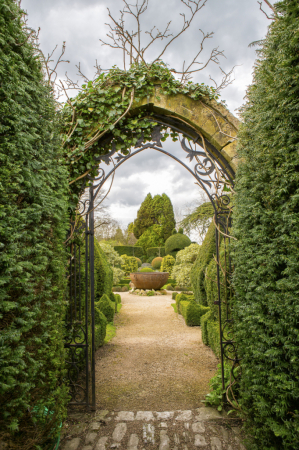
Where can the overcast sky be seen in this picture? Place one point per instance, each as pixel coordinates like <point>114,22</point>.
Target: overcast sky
<point>81,23</point>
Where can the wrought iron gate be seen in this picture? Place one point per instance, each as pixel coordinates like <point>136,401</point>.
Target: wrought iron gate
<point>79,338</point>
<point>212,176</point>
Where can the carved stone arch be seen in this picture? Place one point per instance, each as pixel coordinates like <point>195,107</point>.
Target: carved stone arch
<point>210,118</point>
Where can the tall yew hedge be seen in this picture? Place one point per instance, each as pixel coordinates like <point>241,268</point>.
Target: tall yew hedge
<point>33,205</point>
<point>266,224</point>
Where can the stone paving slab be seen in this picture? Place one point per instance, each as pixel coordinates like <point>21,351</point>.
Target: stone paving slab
<point>203,428</point>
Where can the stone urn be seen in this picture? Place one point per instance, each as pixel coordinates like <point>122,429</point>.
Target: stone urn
<point>149,280</point>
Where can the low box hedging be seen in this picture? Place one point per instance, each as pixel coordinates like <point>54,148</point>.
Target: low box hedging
<point>173,295</point>
<point>182,297</point>
<point>107,307</point>
<point>129,250</point>
<point>100,327</point>
<point>210,332</point>
<point>117,298</point>
<point>205,254</point>
<point>192,312</point>
<point>155,251</point>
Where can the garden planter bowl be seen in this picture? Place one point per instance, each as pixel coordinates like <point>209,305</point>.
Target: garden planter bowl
<point>149,280</point>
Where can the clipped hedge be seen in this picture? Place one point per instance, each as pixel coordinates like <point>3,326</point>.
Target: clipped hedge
<point>33,226</point>
<point>210,283</point>
<point>129,250</point>
<point>210,332</point>
<point>266,224</point>
<point>155,251</point>
<point>192,312</point>
<point>100,327</point>
<point>205,254</point>
<point>156,263</point>
<point>106,306</point>
<point>103,273</point>
<point>181,298</point>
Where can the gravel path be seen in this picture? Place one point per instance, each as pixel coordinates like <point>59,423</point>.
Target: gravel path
<point>155,362</point>
<point>150,381</point>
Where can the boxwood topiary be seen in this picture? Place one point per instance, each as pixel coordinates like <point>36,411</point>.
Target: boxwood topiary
<point>100,327</point>
<point>192,312</point>
<point>106,306</point>
<point>176,242</point>
<point>139,262</point>
<point>156,263</point>
<point>146,269</point>
<point>205,254</point>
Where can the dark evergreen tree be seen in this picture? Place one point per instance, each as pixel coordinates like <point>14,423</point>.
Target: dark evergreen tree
<point>155,211</point>
<point>266,224</point>
<point>166,216</point>
<point>144,217</point>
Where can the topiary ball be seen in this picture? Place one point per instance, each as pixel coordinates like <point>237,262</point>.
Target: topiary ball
<point>156,263</point>
<point>139,262</point>
<point>146,269</point>
<point>176,242</point>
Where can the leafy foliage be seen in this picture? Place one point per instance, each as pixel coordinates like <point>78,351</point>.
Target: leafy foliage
<point>216,396</point>
<point>152,237</point>
<point>155,252</point>
<point>130,264</point>
<point>103,272</point>
<point>112,255</point>
<point>199,219</point>
<point>146,269</point>
<point>155,212</point>
<point>266,225</point>
<point>115,262</point>
<point>176,242</point>
<point>106,306</point>
<point>101,109</point>
<point>205,254</point>
<point>156,263</point>
<point>33,225</point>
<point>185,259</point>
<point>129,250</point>
<point>167,264</point>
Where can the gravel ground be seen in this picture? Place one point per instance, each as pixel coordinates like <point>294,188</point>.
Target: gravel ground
<point>155,362</point>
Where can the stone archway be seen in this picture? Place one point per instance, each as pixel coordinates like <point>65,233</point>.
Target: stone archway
<point>206,123</point>
<point>210,118</point>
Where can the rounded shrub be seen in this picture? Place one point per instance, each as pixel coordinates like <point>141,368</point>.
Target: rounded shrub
<point>146,269</point>
<point>167,263</point>
<point>156,263</point>
<point>106,306</point>
<point>100,327</point>
<point>176,242</point>
<point>139,262</point>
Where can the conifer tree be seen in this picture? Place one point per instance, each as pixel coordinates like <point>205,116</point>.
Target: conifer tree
<point>155,211</point>
<point>144,217</point>
<point>266,224</point>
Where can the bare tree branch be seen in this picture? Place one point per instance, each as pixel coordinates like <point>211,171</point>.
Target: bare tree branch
<point>271,7</point>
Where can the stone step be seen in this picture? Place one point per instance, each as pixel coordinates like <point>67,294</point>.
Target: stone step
<point>203,428</point>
